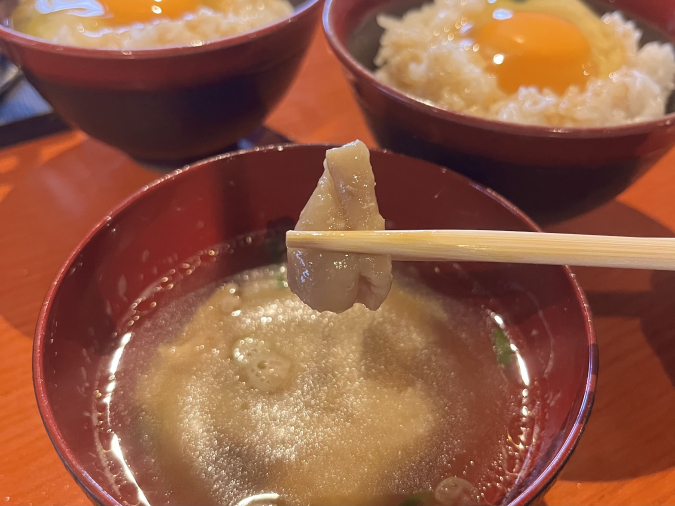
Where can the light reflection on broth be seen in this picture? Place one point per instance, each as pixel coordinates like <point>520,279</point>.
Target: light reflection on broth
<point>238,393</point>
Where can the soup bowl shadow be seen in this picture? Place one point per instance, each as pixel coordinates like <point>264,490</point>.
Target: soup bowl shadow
<point>168,104</point>
<point>85,314</point>
<point>551,173</point>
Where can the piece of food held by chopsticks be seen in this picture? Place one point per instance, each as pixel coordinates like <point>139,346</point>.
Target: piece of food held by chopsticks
<point>344,199</point>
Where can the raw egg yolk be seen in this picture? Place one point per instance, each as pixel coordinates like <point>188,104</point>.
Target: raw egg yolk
<point>123,12</point>
<point>534,49</point>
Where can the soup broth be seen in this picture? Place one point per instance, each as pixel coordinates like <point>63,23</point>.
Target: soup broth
<point>238,393</point>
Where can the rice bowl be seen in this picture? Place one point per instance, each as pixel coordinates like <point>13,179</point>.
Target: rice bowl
<point>418,56</point>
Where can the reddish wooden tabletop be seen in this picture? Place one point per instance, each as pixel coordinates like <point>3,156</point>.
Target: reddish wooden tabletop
<point>53,190</point>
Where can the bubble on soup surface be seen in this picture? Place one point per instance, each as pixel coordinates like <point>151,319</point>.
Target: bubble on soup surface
<point>231,300</point>
<point>455,491</point>
<point>267,371</point>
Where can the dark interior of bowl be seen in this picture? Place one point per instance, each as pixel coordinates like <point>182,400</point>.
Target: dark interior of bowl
<point>265,190</point>
<point>364,41</point>
<point>6,9</point>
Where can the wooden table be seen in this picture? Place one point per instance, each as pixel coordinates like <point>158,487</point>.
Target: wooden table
<point>54,189</point>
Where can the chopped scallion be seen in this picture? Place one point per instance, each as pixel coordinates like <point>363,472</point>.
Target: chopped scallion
<point>502,347</point>
<point>419,499</point>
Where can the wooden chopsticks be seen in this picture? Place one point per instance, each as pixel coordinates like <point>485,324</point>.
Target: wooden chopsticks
<point>496,246</point>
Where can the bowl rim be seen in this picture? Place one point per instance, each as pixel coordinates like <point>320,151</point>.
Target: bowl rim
<point>94,490</point>
<point>28,41</point>
<point>355,67</point>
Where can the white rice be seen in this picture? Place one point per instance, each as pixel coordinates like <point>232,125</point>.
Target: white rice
<point>193,29</point>
<point>416,57</point>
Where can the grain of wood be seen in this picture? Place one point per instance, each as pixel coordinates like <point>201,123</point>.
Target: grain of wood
<point>496,246</point>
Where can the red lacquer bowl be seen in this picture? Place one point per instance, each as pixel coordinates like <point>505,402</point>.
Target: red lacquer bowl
<point>551,173</point>
<point>265,189</point>
<point>170,104</point>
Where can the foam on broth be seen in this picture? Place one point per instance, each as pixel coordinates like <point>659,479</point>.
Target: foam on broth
<point>238,390</point>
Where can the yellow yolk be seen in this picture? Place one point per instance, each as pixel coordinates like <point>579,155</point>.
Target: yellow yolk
<point>534,49</point>
<point>119,12</point>
<point>122,12</point>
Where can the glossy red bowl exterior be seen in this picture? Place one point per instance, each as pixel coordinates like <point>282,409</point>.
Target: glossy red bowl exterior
<point>169,104</point>
<point>551,173</point>
<point>265,189</point>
